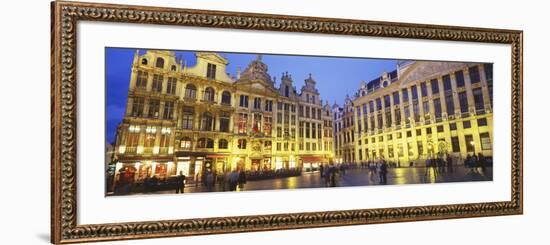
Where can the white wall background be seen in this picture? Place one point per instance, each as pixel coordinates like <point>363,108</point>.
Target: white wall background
<point>25,101</point>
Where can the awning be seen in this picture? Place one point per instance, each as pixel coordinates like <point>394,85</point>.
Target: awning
<point>216,156</point>
<point>145,158</point>
<point>190,154</point>
<point>313,159</point>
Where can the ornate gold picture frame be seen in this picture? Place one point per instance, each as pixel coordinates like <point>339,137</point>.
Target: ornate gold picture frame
<point>66,15</point>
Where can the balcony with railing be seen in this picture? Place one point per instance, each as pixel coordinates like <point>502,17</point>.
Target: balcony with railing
<point>130,150</point>
<point>163,150</point>
<point>147,150</point>
<point>480,111</point>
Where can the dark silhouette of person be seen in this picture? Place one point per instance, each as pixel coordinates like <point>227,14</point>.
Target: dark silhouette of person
<point>241,180</point>
<point>383,172</point>
<point>449,163</point>
<point>180,183</point>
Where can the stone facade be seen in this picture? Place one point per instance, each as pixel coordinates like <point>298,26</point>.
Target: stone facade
<point>422,109</point>
<point>195,119</point>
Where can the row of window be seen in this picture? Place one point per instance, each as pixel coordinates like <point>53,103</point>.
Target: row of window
<point>150,137</point>
<point>432,109</point>
<point>210,68</point>
<point>158,64</point>
<point>349,136</point>
<point>157,83</point>
<point>207,120</point>
<point>385,101</point>
<point>454,146</point>
<point>153,109</point>
<point>311,112</point>
<point>208,94</point>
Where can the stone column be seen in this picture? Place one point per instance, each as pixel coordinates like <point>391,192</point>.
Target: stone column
<point>484,87</point>
<point>469,94</point>
<point>455,94</point>
<point>442,99</point>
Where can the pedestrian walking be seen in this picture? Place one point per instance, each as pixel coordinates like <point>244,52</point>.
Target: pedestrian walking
<point>475,163</point>
<point>210,181</point>
<point>233,178</point>
<point>180,183</point>
<point>241,180</point>
<point>449,163</point>
<point>428,166</point>
<point>383,172</point>
<point>481,162</point>
<point>372,171</point>
<point>332,176</point>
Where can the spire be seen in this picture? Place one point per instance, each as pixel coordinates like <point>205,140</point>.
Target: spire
<point>184,66</point>
<point>259,57</point>
<point>136,56</point>
<point>238,72</point>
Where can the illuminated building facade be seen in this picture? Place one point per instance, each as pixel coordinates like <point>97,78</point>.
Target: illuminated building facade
<point>344,132</point>
<point>422,109</point>
<point>195,119</point>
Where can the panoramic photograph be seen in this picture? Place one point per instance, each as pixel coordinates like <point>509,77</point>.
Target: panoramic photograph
<point>184,121</point>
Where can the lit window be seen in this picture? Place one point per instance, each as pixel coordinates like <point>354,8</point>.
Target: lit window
<point>185,143</point>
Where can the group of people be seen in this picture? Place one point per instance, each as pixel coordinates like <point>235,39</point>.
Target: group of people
<point>476,162</point>
<point>380,169</point>
<point>377,170</point>
<point>330,172</point>
<point>231,181</point>
<point>438,164</point>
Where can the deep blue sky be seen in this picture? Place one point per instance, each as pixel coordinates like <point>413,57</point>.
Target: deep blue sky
<point>335,76</point>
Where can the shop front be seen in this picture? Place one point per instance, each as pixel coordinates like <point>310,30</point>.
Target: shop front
<point>312,163</point>
<point>137,170</point>
<point>217,163</point>
<point>260,163</point>
<point>196,165</point>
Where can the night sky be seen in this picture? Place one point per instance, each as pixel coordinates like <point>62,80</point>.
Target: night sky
<point>335,76</point>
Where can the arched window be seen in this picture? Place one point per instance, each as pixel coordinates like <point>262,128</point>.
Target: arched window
<point>185,143</point>
<point>201,143</point>
<point>222,144</point>
<point>209,143</point>
<point>173,68</point>
<point>209,94</point>
<point>144,61</point>
<point>226,98</point>
<point>160,63</point>
<point>205,143</point>
<point>241,144</point>
<point>207,122</point>
<point>190,91</point>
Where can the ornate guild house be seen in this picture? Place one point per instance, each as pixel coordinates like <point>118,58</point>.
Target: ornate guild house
<point>420,110</point>
<point>197,119</point>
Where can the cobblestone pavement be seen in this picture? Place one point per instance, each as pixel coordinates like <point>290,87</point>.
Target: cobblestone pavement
<point>358,177</point>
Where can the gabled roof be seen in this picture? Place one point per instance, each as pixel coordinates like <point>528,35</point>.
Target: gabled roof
<point>213,57</point>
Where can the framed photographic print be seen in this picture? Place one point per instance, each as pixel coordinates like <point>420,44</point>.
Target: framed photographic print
<point>175,122</point>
